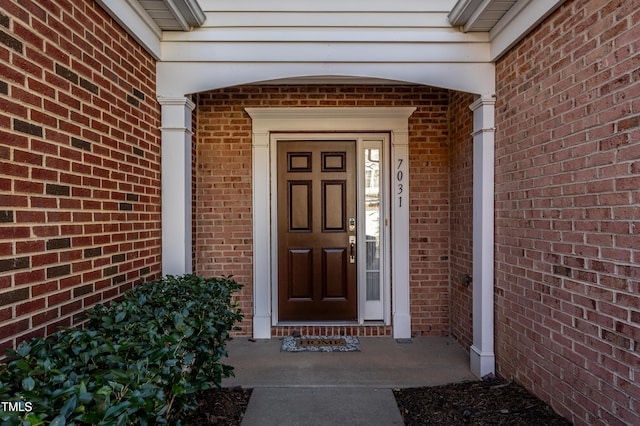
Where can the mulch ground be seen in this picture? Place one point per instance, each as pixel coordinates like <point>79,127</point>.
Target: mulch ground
<point>489,402</point>
<point>221,407</point>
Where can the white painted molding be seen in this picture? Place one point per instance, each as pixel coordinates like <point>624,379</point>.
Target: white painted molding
<point>301,52</point>
<point>180,78</point>
<point>176,182</point>
<point>483,121</point>
<point>135,21</point>
<point>268,120</point>
<point>330,118</point>
<point>482,357</point>
<point>181,107</point>
<point>448,36</point>
<point>400,276</point>
<point>261,200</point>
<point>481,363</point>
<point>523,17</point>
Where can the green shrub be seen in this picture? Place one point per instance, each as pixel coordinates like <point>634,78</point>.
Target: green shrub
<point>139,361</point>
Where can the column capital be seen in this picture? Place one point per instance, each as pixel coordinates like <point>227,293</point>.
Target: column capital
<point>483,115</point>
<point>483,101</point>
<point>176,114</point>
<point>176,101</point>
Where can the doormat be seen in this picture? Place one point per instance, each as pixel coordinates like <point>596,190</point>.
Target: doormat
<point>320,344</point>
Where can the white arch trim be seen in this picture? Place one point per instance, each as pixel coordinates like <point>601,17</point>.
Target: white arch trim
<point>180,78</point>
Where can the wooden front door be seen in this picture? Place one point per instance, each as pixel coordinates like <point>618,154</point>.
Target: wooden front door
<point>317,274</point>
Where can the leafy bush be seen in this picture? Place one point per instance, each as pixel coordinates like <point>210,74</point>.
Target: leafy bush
<point>139,361</point>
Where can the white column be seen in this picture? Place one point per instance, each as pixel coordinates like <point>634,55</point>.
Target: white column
<point>482,356</point>
<point>261,235</point>
<point>400,234</point>
<point>176,185</point>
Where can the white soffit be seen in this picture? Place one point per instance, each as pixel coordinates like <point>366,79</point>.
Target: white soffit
<point>136,21</point>
<point>145,20</point>
<point>479,15</point>
<point>506,21</point>
<point>174,15</point>
<point>518,22</point>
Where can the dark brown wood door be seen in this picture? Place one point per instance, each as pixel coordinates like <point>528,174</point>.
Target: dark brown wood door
<point>317,207</point>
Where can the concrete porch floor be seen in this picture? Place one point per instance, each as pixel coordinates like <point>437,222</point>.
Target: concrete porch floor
<point>382,363</point>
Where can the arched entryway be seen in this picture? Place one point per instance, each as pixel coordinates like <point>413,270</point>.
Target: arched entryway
<point>267,121</point>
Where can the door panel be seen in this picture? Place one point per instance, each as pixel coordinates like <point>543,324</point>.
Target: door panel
<point>300,273</point>
<point>317,280</point>
<point>299,206</point>
<point>334,274</point>
<point>333,206</point>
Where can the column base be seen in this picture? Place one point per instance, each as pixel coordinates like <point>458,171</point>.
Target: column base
<point>402,326</point>
<point>482,363</point>
<point>262,326</point>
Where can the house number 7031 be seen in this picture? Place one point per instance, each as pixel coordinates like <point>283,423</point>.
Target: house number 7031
<point>399,179</point>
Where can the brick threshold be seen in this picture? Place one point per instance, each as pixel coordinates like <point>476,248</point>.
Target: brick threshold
<point>332,329</point>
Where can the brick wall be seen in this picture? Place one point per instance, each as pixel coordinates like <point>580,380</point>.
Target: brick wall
<point>223,215</point>
<point>223,202</point>
<point>461,169</point>
<point>79,164</point>
<point>567,212</point>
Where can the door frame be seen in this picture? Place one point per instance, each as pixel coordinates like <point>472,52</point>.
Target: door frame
<point>391,120</point>
<point>360,140</point>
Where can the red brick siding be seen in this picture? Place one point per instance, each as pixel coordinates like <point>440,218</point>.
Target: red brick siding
<point>429,214</point>
<point>223,202</point>
<point>223,215</point>
<point>79,164</point>
<point>567,212</point>
<point>461,169</point>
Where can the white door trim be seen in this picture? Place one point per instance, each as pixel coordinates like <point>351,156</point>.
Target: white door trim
<point>393,120</point>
